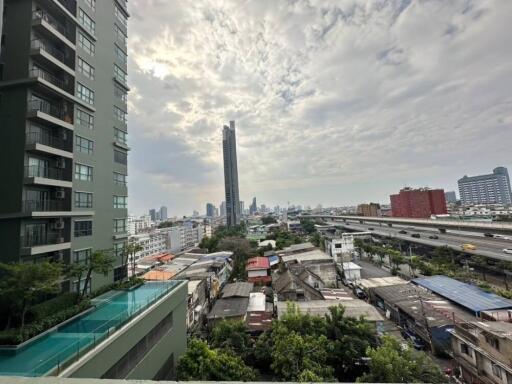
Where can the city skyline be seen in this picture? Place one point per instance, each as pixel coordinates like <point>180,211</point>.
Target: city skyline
<point>330,102</point>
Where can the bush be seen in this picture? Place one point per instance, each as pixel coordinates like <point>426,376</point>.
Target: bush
<point>52,306</point>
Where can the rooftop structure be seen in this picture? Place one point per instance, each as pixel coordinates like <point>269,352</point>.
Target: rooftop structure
<point>380,282</point>
<point>465,295</point>
<point>314,255</point>
<point>241,289</point>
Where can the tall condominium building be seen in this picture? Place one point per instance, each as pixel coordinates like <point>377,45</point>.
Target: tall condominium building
<point>223,209</point>
<point>64,153</point>
<point>418,203</point>
<point>371,209</point>
<point>486,189</point>
<point>450,197</point>
<point>253,208</point>
<point>163,213</point>
<point>210,210</point>
<point>231,175</point>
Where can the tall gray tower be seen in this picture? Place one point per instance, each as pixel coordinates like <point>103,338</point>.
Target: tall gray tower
<point>231,175</point>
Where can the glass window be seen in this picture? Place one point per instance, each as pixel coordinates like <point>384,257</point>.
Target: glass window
<point>119,249</point>
<point>86,44</point>
<point>120,15</point>
<point>121,93</point>
<point>120,157</point>
<point>82,256</point>
<point>91,3</point>
<point>86,22</point>
<point>120,135</point>
<point>119,178</point>
<point>120,75</point>
<point>83,228</point>
<point>496,370</point>
<point>120,202</point>
<point>84,119</point>
<point>85,68</point>
<point>83,200</point>
<point>119,114</point>
<point>121,36</point>
<point>85,94</point>
<point>83,172</point>
<point>119,225</point>
<point>120,54</point>
<point>84,145</point>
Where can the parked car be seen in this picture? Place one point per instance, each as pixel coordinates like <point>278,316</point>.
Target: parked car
<point>360,293</point>
<point>508,251</point>
<point>468,247</point>
<point>402,232</point>
<point>487,234</point>
<point>416,235</point>
<point>433,237</point>
<point>416,342</point>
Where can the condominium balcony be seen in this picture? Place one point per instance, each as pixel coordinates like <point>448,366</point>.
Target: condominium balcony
<point>35,243</point>
<point>42,141</point>
<point>46,111</point>
<point>47,24</point>
<point>52,55</point>
<point>30,206</point>
<point>64,83</point>
<point>51,176</point>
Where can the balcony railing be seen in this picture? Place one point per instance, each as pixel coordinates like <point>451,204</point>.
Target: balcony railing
<point>44,205</point>
<point>50,109</point>
<point>47,139</point>
<point>49,48</point>
<point>37,238</point>
<point>70,5</point>
<point>39,14</point>
<point>45,172</point>
<point>38,72</point>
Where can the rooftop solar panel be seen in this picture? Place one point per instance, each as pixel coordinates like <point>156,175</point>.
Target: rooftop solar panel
<point>466,295</point>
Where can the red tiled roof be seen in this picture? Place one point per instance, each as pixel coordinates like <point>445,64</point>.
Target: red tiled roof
<point>260,279</point>
<point>165,257</point>
<point>257,263</point>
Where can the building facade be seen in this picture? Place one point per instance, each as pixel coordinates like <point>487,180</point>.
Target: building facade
<point>163,213</point>
<point>64,114</point>
<point>152,244</point>
<point>418,203</point>
<point>369,210</point>
<point>451,197</point>
<point>493,188</point>
<point>231,175</point>
<point>210,210</point>
<point>185,236</point>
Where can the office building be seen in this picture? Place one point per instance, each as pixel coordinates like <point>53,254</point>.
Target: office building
<point>451,197</point>
<point>486,189</point>
<point>369,210</point>
<point>163,213</point>
<point>64,128</point>
<point>210,210</point>
<point>231,175</point>
<point>223,209</point>
<point>418,203</point>
<point>152,214</point>
<point>242,208</point>
<point>253,208</point>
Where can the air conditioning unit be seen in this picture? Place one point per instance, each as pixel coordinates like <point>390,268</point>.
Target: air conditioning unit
<point>58,224</point>
<point>61,163</point>
<point>60,194</point>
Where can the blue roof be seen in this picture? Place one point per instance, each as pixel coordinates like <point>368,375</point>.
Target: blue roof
<point>466,295</point>
<point>273,260</point>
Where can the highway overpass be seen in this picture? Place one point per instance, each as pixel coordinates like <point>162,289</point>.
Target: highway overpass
<point>440,224</point>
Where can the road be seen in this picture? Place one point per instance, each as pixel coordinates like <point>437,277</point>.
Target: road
<point>485,246</point>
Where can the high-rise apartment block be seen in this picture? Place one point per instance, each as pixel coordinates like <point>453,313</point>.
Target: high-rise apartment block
<point>493,188</point>
<point>370,210</point>
<point>253,208</point>
<point>210,210</point>
<point>63,119</point>
<point>451,197</point>
<point>163,213</point>
<point>418,203</point>
<point>231,175</point>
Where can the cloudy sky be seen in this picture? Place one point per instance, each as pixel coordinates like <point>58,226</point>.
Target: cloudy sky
<point>335,101</point>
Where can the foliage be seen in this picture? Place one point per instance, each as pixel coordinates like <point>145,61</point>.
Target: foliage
<point>101,262</point>
<point>390,363</point>
<point>23,283</point>
<point>317,240</point>
<point>242,250</point>
<point>285,239</point>
<point>265,220</point>
<point>200,362</point>
<point>232,335</point>
<point>166,224</point>
<point>308,226</point>
<point>52,306</point>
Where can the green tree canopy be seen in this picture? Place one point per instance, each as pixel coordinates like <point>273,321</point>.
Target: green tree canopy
<point>232,335</point>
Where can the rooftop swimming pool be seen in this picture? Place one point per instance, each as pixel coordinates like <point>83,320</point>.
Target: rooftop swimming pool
<point>52,352</point>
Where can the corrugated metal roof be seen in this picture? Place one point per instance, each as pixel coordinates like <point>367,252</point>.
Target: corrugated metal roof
<point>465,295</point>
<point>257,263</point>
<point>241,289</point>
<point>233,307</point>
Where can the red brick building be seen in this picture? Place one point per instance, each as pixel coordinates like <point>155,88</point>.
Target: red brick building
<point>418,203</point>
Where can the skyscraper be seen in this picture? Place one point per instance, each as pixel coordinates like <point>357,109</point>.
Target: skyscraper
<point>253,208</point>
<point>63,133</point>
<point>210,210</point>
<point>152,214</point>
<point>223,209</point>
<point>493,188</point>
<point>163,213</point>
<point>231,175</point>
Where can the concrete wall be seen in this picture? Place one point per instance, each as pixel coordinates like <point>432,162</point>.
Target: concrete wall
<point>98,361</point>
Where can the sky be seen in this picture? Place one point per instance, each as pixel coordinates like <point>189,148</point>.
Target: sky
<point>336,102</point>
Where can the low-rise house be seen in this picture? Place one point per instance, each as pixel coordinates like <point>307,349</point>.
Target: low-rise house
<point>483,351</point>
<point>259,313</point>
<point>233,303</point>
<point>197,302</point>
<point>296,248</point>
<point>351,271</point>
<point>258,270</point>
<point>290,287</point>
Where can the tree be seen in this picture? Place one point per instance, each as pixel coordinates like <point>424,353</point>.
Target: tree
<point>268,220</point>
<point>481,263</point>
<point>201,363</point>
<point>308,226</point>
<point>358,245</point>
<point>414,264</point>
<point>101,262</point>
<point>23,283</point>
<point>232,335</point>
<point>396,259</point>
<point>241,249</point>
<point>131,249</point>
<point>316,239</point>
<point>391,363</point>
<point>506,269</point>
<point>75,272</point>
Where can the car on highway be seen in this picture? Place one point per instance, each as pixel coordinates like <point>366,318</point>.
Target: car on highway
<point>487,234</point>
<point>433,237</point>
<point>371,228</point>
<point>508,251</point>
<point>416,235</point>
<point>402,232</point>
<point>502,237</point>
<point>468,247</point>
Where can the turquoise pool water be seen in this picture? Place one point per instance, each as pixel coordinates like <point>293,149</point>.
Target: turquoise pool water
<point>69,342</point>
